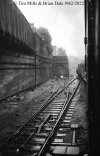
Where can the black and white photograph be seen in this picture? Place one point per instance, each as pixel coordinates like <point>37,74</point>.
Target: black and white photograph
<point>49,77</point>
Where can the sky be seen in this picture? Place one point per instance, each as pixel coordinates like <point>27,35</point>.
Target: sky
<point>65,22</point>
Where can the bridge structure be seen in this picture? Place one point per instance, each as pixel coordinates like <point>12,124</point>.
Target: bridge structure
<point>24,57</point>
<point>60,66</point>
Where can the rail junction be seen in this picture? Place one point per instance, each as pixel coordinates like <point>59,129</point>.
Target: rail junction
<point>49,130</point>
<point>55,122</point>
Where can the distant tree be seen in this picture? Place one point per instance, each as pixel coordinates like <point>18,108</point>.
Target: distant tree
<point>61,52</point>
<point>44,34</point>
<point>50,48</point>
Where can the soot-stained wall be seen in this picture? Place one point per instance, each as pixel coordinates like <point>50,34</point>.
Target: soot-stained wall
<point>17,72</point>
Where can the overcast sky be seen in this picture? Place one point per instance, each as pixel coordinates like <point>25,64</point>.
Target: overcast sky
<point>64,22</point>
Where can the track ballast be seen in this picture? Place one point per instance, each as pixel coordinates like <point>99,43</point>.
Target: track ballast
<point>47,131</point>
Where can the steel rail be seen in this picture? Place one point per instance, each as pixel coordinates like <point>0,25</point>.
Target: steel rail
<point>51,98</point>
<point>50,137</point>
<point>36,113</point>
<point>5,98</point>
<point>12,121</point>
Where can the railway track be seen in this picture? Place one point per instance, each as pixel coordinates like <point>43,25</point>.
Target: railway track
<point>36,106</point>
<point>24,90</point>
<point>10,125</point>
<point>84,78</point>
<point>46,128</point>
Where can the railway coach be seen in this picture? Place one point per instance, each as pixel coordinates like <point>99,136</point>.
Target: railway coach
<point>92,36</point>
